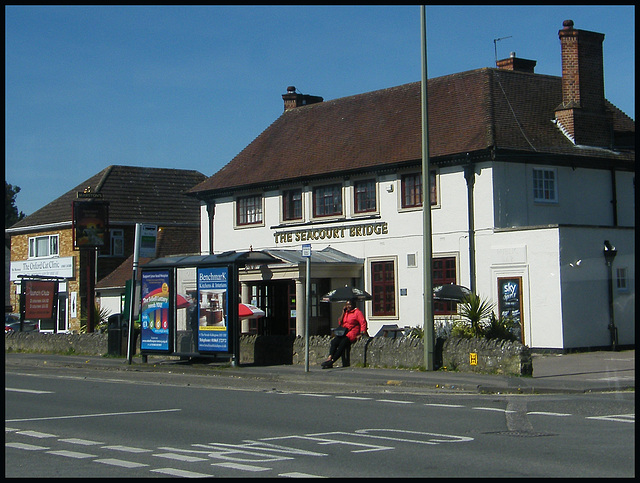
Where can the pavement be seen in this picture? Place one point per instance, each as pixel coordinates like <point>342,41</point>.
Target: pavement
<point>580,372</point>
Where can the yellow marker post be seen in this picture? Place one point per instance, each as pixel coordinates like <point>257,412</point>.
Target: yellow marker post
<point>473,359</point>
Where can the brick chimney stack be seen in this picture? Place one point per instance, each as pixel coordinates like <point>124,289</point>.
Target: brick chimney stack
<point>292,99</point>
<point>582,113</point>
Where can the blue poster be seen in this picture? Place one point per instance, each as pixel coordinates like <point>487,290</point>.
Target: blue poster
<point>213,326</point>
<point>154,312</point>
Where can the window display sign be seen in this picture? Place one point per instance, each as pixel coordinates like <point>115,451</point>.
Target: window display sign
<point>510,303</point>
<point>154,323</point>
<point>90,224</point>
<point>213,327</point>
<point>40,298</point>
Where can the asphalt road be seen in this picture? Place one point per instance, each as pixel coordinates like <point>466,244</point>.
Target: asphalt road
<point>86,422</point>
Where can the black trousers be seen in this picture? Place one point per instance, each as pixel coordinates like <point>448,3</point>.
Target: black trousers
<point>340,347</point>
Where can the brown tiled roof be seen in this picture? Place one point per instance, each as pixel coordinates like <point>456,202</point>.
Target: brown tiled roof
<point>468,112</point>
<point>135,194</point>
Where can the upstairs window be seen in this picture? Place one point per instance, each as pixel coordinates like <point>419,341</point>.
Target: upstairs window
<point>327,200</point>
<point>249,210</point>
<point>117,242</point>
<point>43,246</point>
<point>292,205</point>
<point>545,188</point>
<point>412,190</point>
<point>365,196</point>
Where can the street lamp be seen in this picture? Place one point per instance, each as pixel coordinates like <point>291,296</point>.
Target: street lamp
<point>610,253</point>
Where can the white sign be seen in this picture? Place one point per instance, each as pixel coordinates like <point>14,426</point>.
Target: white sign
<point>46,267</point>
<point>148,237</point>
<point>306,250</point>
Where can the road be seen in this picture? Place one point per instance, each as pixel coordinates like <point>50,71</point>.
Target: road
<point>78,423</point>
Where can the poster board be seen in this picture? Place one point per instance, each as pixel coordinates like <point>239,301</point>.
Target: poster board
<point>154,311</point>
<point>510,303</point>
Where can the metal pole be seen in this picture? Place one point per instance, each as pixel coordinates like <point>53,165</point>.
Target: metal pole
<point>307,307</point>
<point>426,208</point>
<point>136,257</point>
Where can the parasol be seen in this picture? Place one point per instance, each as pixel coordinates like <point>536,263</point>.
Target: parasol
<point>451,292</point>
<point>344,294</point>
<point>248,311</point>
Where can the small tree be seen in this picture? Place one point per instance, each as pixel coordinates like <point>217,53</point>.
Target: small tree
<point>476,313</point>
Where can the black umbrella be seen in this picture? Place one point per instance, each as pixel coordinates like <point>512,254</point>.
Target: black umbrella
<point>452,292</point>
<point>344,294</point>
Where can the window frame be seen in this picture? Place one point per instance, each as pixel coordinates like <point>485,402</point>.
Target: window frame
<point>243,215</point>
<point>379,308</point>
<point>287,203</point>
<point>336,192</point>
<point>370,194</point>
<point>542,193</point>
<point>53,246</point>
<point>449,275</point>
<point>417,177</point>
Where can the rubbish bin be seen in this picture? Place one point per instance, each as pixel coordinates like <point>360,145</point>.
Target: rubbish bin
<point>115,324</point>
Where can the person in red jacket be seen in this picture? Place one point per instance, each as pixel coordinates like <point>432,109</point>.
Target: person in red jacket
<point>353,320</point>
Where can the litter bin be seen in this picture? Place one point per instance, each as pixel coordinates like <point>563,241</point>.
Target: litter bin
<point>116,329</point>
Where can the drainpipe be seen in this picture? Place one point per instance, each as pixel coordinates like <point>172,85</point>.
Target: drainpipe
<point>211,211</point>
<point>470,177</point>
<point>614,198</point>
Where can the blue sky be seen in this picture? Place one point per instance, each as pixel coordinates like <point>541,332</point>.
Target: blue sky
<point>190,87</point>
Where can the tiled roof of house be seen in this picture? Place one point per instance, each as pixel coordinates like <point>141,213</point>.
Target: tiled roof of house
<point>468,112</point>
<point>135,194</point>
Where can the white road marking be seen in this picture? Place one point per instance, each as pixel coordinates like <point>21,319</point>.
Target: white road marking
<point>544,413</point>
<point>180,457</point>
<point>36,434</point>
<point>393,401</point>
<point>297,474</point>
<point>238,466</point>
<point>72,454</point>
<point>494,409</point>
<point>28,447</point>
<point>29,391</point>
<point>356,398</point>
<point>83,442</point>
<point>181,473</point>
<point>117,462</point>
<point>127,449</point>
<point>445,405</point>
<point>621,418</point>
<point>316,395</point>
<point>126,413</point>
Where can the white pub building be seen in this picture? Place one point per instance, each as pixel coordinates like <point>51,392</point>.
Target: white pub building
<point>532,190</point>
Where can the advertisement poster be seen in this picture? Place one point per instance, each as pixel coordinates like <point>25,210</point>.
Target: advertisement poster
<point>40,299</point>
<point>213,327</point>
<point>154,322</point>
<point>510,303</point>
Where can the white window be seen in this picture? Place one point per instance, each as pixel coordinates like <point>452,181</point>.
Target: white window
<point>43,246</point>
<point>621,279</point>
<point>545,187</point>
<point>117,242</point>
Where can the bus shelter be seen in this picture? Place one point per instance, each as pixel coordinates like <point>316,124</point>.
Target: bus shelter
<point>189,304</point>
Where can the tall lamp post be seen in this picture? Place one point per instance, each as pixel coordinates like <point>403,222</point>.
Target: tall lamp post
<point>610,253</point>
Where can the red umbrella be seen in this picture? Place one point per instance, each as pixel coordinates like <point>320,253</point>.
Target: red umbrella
<point>248,311</point>
<point>181,302</point>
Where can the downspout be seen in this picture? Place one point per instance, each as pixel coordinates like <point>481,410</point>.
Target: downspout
<point>470,177</point>
<point>211,211</point>
<point>614,198</point>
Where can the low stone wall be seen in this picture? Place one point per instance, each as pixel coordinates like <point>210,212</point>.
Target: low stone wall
<point>487,356</point>
<point>490,356</point>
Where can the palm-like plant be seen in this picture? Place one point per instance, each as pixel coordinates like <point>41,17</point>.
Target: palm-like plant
<point>476,311</point>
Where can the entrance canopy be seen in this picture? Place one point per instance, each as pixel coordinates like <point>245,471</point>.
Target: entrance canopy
<point>239,259</point>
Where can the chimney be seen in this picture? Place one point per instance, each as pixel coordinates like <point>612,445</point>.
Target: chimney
<point>292,99</point>
<point>519,65</point>
<point>582,113</point>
